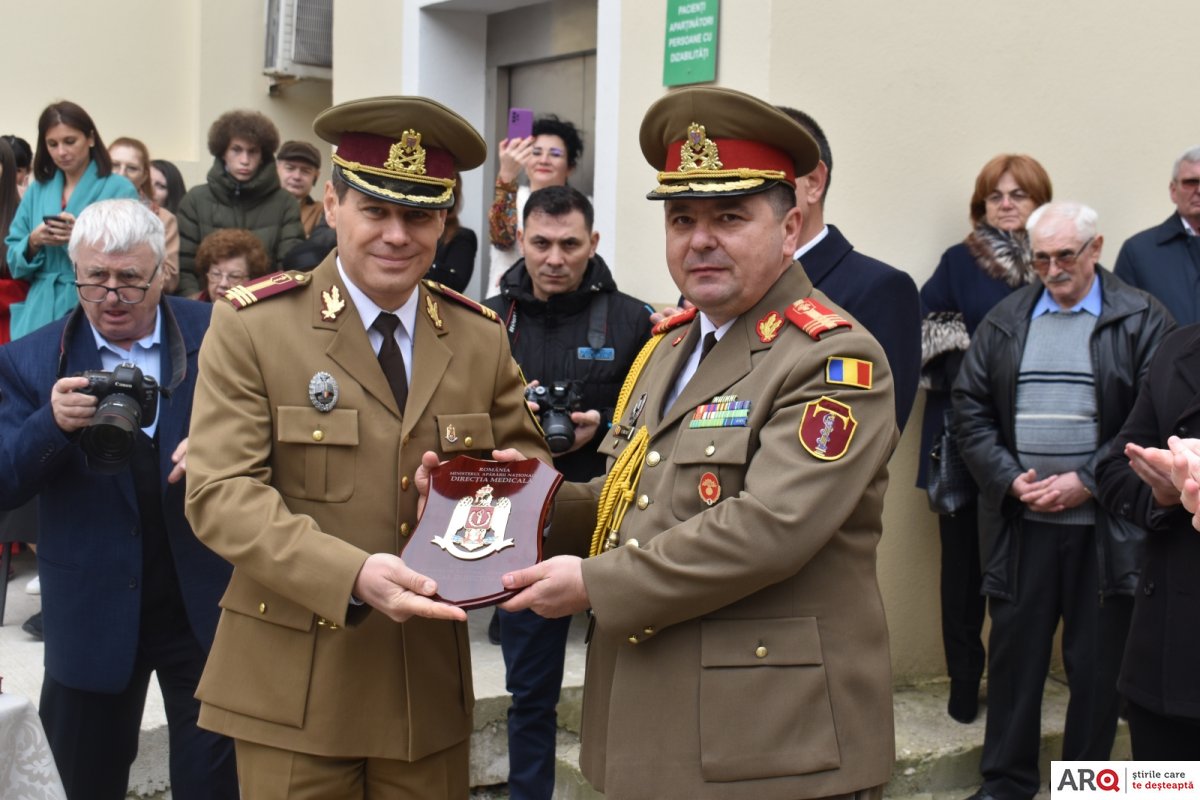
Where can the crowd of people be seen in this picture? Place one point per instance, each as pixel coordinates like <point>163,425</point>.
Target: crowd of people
<point>725,460</point>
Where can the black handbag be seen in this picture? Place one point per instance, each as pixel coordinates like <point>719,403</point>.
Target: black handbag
<point>948,483</point>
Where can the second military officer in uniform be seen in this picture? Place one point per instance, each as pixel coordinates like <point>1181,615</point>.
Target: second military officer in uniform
<point>318,394</point>
<point>740,648</point>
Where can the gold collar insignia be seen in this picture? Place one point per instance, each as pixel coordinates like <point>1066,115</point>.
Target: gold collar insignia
<point>333,303</point>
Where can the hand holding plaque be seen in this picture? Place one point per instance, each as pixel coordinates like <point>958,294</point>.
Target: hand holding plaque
<point>482,519</point>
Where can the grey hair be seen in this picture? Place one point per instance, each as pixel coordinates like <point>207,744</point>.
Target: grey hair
<point>1083,217</point>
<point>118,226</point>
<point>1190,156</point>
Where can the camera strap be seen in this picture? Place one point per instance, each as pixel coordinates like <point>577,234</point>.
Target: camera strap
<point>176,348</point>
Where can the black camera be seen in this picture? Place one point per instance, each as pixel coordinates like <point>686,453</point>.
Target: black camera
<point>555,404</point>
<point>128,402</point>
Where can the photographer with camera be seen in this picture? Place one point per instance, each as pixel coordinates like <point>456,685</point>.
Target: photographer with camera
<point>574,336</point>
<point>127,589</point>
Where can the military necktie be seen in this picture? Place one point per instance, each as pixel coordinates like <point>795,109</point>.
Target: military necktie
<point>391,359</point>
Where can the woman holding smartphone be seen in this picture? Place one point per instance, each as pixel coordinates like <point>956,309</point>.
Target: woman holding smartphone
<point>71,170</point>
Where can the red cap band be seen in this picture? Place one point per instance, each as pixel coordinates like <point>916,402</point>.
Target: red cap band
<point>740,154</point>
<point>373,150</point>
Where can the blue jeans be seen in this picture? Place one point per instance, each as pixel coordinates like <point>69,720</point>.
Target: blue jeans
<point>534,648</point>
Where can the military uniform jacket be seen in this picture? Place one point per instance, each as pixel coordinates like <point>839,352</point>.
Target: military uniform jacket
<point>740,648</point>
<point>297,498</point>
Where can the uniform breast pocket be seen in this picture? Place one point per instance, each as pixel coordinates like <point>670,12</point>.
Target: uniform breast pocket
<point>466,433</point>
<point>764,700</point>
<point>710,466</point>
<point>315,453</point>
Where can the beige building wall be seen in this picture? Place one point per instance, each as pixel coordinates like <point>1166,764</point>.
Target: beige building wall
<point>915,97</point>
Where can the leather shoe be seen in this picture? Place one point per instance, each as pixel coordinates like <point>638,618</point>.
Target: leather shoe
<point>33,626</point>
<point>494,628</point>
<point>964,701</point>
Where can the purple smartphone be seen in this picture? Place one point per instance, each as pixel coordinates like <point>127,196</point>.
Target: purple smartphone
<point>520,123</point>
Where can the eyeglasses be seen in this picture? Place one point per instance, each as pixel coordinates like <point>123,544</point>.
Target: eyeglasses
<point>553,152</point>
<point>1014,197</point>
<point>1191,184</point>
<point>129,295</point>
<point>215,276</point>
<point>1064,258</point>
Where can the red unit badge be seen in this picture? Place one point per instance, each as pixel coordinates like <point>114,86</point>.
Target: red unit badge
<point>768,327</point>
<point>827,428</point>
<point>710,488</point>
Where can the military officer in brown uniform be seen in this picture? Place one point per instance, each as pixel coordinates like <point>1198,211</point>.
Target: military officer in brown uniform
<point>318,393</point>
<point>739,647</point>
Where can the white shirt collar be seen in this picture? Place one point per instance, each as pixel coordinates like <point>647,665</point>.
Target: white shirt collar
<point>368,310</point>
<point>816,240</point>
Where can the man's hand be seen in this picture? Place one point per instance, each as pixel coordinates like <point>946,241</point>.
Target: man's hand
<point>669,311</point>
<point>72,411</point>
<point>386,584</point>
<point>553,588</point>
<point>1185,474</point>
<point>179,459</point>
<point>1049,495</point>
<point>1153,466</point>
<point>586,424</point>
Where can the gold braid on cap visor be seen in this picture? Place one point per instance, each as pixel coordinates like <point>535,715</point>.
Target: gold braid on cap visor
<point>694,180</point>
<point>350,168</point>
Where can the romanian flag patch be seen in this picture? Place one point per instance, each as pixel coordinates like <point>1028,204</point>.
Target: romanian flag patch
<point>849,372</point>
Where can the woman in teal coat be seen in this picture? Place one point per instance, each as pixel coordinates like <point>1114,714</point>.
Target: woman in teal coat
<point>71,170</point>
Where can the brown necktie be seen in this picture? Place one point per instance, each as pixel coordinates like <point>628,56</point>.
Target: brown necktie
<point>391,359</point>
<point>710,341</point>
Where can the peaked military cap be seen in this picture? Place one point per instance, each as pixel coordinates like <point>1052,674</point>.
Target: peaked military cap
<point>404,150</point>
<point>713,142</point>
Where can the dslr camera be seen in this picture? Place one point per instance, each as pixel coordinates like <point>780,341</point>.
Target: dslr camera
<point>128,402</point>
<point>555,402</point>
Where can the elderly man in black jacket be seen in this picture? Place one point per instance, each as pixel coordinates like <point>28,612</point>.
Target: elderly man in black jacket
<point>1050,376</point>
<point>576,335</point>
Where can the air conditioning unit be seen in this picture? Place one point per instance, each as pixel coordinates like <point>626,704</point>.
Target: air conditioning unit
<point>299,39</point>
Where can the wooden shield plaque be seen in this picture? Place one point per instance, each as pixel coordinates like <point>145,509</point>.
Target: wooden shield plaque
<point>482,519</point>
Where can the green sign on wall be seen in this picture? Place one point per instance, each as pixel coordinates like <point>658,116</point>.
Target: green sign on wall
<point>690,50</point>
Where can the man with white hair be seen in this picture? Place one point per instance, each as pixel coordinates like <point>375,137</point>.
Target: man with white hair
<point>127,589</point>
<point>1165,260</point>
<point>1050,376</point>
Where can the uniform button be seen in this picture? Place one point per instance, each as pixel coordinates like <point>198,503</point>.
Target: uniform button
<point>404,484</point>
<point>404,529</point>
<point>652,458</point>
<point>760,651</point>
<point>643,502</point>
<point>648,630</point>
<point>633,639</point>
<point>468,441</point>
<point>133,583</point>
<point>708,451</point>
<point>318,435</point>
<point>632,543</point>
<point>262,608</point>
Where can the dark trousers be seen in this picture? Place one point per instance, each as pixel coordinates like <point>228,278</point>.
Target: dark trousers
<point>94,736</point>
<point>534,648</point>
<point>1158,737</point>
<point>963,606</point>
<point>1056,577</point>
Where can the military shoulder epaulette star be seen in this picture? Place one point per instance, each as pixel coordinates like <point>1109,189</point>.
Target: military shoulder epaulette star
<point>815,319</point>
<point>267,286</point>
<point>674,321</point>
<point>461,299</point>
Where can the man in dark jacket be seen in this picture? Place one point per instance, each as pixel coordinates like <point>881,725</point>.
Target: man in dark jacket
<point>573,333</point>
<point>881,297</point>
<point>242,191</point>
<point>1050,376</point>
<point>1165,260</point>
<point>1158,676</point>
<point>127,588</point>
